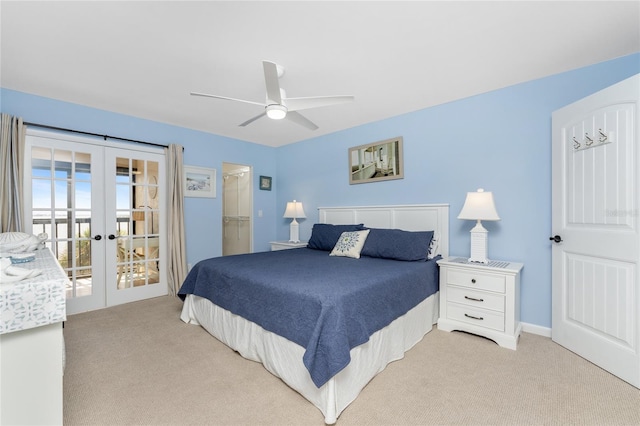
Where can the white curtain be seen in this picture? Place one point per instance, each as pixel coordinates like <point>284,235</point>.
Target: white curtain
<point>12,141</point>
<point>177,271</point>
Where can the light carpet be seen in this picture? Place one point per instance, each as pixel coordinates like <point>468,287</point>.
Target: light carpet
<point>139,364</point>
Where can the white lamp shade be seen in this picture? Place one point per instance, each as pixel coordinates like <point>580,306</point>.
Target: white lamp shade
<point>479,206</point>
<point>294,210</point>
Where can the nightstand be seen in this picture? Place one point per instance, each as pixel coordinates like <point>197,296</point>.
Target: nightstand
<point>286,245</point>
<point>481,299</point>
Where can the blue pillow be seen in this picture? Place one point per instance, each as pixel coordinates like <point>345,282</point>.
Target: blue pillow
<point>325,236</point>
<point>397,244</point>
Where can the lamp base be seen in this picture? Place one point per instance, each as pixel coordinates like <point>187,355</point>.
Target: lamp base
<point>479,239</point>
<point>294,233</point>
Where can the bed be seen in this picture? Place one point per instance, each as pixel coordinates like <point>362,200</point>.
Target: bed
<point>345,333</point>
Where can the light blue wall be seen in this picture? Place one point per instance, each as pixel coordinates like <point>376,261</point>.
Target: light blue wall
<point>203,216</point>
<point>500,141</point>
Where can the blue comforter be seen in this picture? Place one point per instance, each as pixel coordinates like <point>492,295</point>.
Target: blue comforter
<point>328,305</point>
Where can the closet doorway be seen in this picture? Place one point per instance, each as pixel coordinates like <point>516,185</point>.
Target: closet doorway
<point>236,207</point>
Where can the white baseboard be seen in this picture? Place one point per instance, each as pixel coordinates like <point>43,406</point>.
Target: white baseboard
<point>536,329</point>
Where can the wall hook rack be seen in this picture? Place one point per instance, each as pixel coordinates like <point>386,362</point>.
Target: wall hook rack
<point>588,142</point>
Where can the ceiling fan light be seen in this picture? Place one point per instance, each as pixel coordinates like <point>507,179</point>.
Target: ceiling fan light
<point>276,112</point>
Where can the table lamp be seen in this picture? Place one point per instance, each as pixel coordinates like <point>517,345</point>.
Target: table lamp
<point>294,210</point>
<point>479,206</point>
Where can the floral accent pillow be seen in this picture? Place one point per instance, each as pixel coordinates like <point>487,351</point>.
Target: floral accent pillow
<point>350,244</point>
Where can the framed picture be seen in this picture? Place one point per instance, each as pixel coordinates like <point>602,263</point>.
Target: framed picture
<point>376,161</point>
<point>265,183</point>
<point>199,182</point>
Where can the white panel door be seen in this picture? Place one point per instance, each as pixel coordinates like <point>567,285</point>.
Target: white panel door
<point>595,255</point>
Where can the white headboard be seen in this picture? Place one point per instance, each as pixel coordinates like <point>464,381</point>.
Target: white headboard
<point>418,217</point>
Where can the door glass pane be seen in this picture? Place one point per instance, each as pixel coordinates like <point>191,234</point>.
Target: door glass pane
<point>61,194</point>
<point>83,195</point>
<point>41,162</point>
<point>122,197</point>
<point>62,160</point>
<point>41,223</point>
<point>83,253</point>
<point>63,248</point>
<point>153,197</point>
<point>60,184</point>
<point>138,216</point>
<point>83,167</point>
<point>41,194</point>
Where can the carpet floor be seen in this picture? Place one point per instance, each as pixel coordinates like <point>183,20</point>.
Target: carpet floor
<point>138,364</point>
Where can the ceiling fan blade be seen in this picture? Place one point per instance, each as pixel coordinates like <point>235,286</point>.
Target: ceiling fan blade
<point>297,104</point>
<point>226,98</point>
<point>271,81</point>
<point>301,120</point>
<point>251,120</point>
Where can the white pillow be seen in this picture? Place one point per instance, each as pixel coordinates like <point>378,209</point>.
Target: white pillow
<point>433,247</point>
<point>350,244</point>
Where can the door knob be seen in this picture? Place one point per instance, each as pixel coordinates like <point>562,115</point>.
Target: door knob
<point>97,237</point>
<point>556,238</point>
<point>111,237</point>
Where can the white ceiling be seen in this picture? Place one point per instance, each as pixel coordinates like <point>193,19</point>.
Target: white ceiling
<point>143,58</point>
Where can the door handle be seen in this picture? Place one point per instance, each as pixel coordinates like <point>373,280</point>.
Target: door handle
<point>97,237</point>
<point>556,238</point>
<point>112,237</point>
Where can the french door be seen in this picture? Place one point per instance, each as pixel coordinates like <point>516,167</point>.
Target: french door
<point>103,211</point>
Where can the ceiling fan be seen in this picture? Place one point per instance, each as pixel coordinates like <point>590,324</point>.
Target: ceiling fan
<point>278,106</point>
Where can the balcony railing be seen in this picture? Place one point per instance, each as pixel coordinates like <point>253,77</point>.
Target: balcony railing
<point>65,234</point>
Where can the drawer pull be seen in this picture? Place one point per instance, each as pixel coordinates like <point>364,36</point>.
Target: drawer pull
<point>473,280</point>
<point>472,317</point>
<point>474,299</point>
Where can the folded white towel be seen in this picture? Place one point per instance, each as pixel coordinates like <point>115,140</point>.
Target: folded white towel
<point>10,273</point>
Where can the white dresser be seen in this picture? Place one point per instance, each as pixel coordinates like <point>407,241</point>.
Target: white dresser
<point>31,345</point>
<point>481,299</point>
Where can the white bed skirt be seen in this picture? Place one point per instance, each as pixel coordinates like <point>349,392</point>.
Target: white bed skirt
<point>283,358</point>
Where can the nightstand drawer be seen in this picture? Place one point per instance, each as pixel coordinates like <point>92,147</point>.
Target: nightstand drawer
<point>477,280</point>
<point>466,296</point>
<point>478,317</point>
